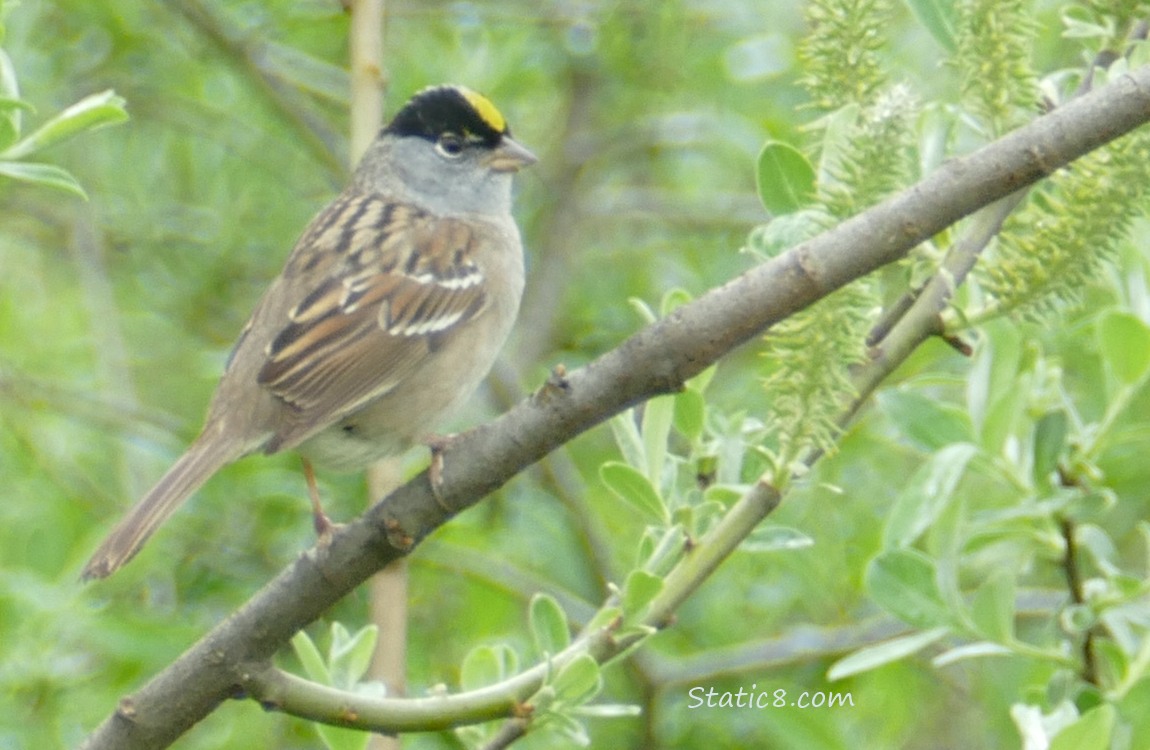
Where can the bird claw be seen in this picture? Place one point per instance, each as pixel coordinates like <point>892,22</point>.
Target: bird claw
<point>555,386</point>
<point>323,525</point>
<point>438,444</point>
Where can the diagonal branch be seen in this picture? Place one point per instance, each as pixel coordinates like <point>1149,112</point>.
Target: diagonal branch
<point>654,361</point>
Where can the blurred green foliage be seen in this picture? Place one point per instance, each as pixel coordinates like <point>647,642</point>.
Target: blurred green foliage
<point>923,561</point>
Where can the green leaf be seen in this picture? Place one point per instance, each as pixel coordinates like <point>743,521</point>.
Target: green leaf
<point>1077,619</point>
<point>604,618</point>
<point>1004,417</point>
<point>42,174</point>
<point>783,232</point>
<point>902,581</point>
<point>1144,533</point>
<point>1096,542</point>
<point>664,552</point>
<point>1125,344</point>
<point>350,656</point>
<point>8,103</point>
<point>1049,443</point>
<point>690,413</point>
<point>838,136</point>
<point>930,423</point>
<point>578,681</point>
<point>979,650</point>
<point>487,665</point>
<point>90,113</point>
<point>627,437</point>
<point>309,657</point>
<point>992,607</point>
<point>704,517</point>
<point>1081,22</point>
<point>1036,727</point>
<point>937,17</point>
<point>771,538</point>
<point>673,299</point>
<point>880,654</point>
<point>724,494</point>
<point>646,545</point>
<point>1092,731</point>
<point>569,729</point>
<point>609,710</point>
<point>926,495</point>
<point>641,588</point>
<point>342,738</point>
<point>658,415</point>
<point>637,636</point>
<point>548,626</point>
<point>10,117</point>
<point>630,485</point>
<point>1112,660</point>
<point>644,310</point>
<point>994,372</point>
<point>700,382</point>
<point>944,543</point>
<point>785,178</point>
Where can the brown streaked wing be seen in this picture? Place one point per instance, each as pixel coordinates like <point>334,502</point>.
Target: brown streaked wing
<point>408,278</point>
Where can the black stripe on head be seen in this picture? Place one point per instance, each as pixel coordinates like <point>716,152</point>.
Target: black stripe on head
<point>449,109</point>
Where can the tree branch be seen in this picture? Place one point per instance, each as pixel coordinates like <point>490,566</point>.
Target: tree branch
<point>276,690</point>
<point>654,361</point>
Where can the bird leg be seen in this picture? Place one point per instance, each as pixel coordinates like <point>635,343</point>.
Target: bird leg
<point>323,524</point>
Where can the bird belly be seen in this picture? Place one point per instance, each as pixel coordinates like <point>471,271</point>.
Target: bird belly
<point>415,408</point>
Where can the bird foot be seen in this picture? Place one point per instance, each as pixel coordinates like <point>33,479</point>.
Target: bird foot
<point>438,444</point>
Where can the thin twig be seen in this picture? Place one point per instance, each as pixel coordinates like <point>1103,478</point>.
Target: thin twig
<point>1070,566</point>
<point>511,731</point>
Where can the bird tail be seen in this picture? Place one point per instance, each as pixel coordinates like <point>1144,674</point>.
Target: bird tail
<point>204,457</point>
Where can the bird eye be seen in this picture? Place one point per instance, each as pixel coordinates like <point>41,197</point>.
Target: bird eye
<point>449,145</point>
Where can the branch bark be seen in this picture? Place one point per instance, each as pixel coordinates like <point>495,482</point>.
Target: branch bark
<point>654,361</point>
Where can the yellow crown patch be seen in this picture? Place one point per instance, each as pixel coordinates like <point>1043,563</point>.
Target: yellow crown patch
<point>485,108</point>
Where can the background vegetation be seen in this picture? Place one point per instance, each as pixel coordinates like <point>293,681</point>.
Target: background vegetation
<point>984,512</point>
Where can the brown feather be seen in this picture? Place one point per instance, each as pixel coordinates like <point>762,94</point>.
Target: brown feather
<point>405,277</point>
<point>202,459</point>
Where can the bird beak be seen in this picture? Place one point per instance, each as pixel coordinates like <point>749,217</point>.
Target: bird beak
<point>510,156</point>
